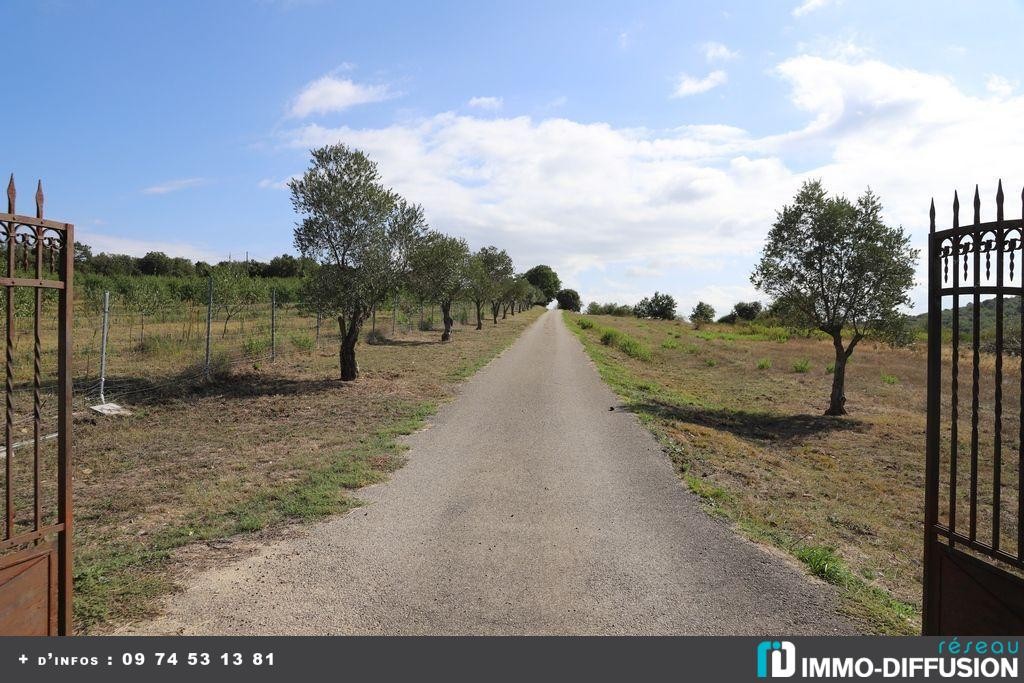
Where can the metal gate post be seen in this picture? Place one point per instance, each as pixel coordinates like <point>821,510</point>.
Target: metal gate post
<point>103,346</point>
<point>931,499</point>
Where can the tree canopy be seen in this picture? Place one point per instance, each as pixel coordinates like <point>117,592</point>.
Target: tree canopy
<point>833,265</point>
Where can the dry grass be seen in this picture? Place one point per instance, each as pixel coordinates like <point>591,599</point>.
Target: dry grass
<point>748,435</point>
<point>266,445</point>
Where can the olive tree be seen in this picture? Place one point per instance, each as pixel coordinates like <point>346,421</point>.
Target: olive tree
<point>834,265</point>
<point>437,273</point>
<point>359,232</point>
<point>569,300</point>
<point>488,272</point>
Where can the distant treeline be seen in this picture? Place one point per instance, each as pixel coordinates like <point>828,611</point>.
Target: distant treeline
<point>159,263</point>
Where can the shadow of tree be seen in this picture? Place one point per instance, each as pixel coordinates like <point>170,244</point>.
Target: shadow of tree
<point>406,342</point>
<point>753,426</point>
<point>137,391</point>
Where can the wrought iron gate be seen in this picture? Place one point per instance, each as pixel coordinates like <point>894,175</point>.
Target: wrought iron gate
<point>974,536</point>
<point>35,532</point>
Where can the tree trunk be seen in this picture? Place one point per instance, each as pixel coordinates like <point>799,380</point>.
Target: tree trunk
<point>504,311</point>
<point>837,401</point>
<point>446,314</point>
<point>347,349</point>
<point>479,315</point>
<point>494,312</point>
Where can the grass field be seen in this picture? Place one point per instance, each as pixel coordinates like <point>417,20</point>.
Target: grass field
<point>264,445</point>
<point>740,411</point>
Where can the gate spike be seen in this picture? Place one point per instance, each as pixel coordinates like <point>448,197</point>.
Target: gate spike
<point>956,209</point>
<point>11,194</point>
<point>931,214</point>
<point>977,205</point>
<point>39,199</point>
<point>999,201</point>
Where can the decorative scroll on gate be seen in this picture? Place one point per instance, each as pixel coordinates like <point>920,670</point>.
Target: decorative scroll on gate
<point>974,536</point>
<point>35,462</point>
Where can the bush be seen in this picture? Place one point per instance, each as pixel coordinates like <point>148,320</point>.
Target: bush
<point>830,368</point>
<point>747,310</point>
<point>569,300</point>
<point>584,324</point>
<point>375,337</point>
<point>302,342</point>
<point>426,325</point>
<point>633,348</point>
<point>610,337</point>
<point>710,362</point>
<point>802,365</point>
<point>660,306</point>
<point>621,310</point>
<point>670,344</point>
<point>702,313</point>
<point>728,318</point>
<point>256,346</point>
<point>764,363</point>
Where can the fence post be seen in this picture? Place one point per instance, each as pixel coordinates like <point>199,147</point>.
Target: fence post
<point>209,325</point>
<point>316,344</point>
<point>394,317</point>
<point>103,346</point>
<point>273,325</point>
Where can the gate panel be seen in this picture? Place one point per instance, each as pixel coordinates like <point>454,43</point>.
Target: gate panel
<point>974,509</point>
<point>36,527</point>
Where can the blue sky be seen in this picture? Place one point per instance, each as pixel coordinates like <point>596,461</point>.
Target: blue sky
<point>632,146</point>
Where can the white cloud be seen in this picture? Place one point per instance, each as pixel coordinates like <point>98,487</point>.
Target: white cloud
<point>717,52</point>
<point>113,244</point>
<point>332,94</point>
<point>689,85</point>
<point>271,184</point>
<point>1000,86</point>
<point>488,103</point>
<point>174,185</point>
<point>808,6</point>
<point>686,210</point>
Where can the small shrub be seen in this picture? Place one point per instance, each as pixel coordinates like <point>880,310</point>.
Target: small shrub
<point>825,564</point>
<point>764,363</point>
<point>156,344</point>
<point>691,349</point>
<point>610,337</point>
<point>303,342</point>
<point>802,365</point>
<point>633,348</point>
<point>830,368</point>
<point>584,323</point>
<point>255,346</point>
<point>426,325</point>
<point>710,362</point>
<point>375,337</point>
<point>670,344</point>
<point>889,379</point>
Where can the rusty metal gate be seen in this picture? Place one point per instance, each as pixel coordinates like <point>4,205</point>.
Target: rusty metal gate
<point>974,536</point>
<point>35,550</point>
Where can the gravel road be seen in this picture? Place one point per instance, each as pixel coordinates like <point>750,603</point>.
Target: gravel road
<point>527,507</point>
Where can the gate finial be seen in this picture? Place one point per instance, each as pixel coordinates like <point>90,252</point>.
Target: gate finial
<point>11,194</point>
<point>977,205</point>
<point>956,209</point>
<point>999,201</point>
<point>39,199</point>
<point>931,216</point>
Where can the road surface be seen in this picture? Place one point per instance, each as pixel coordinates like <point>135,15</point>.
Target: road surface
<point>527,507</point>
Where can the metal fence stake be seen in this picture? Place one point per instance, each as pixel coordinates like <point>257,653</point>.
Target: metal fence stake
<point>209,325</point>
<point>103,346</point>
<point>273,325</point>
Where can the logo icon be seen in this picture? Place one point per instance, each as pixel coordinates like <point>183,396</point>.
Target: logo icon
<point>776,659</point>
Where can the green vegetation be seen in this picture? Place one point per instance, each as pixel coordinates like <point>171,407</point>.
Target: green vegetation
<point>755,449</point>
<point>889,379</point>
<point>801,365</point>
